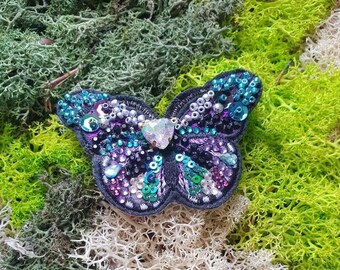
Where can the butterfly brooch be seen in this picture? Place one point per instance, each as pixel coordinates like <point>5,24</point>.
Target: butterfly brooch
<point>141,163</point>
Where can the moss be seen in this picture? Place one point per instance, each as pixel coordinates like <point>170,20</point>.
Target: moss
<point>121,41</point>
<point>29,159</point>
<point>291,165</point>
<point>49,237</point>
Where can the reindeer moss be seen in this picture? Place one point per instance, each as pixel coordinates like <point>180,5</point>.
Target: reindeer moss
<point>30,159</point>
<point>131,47</point>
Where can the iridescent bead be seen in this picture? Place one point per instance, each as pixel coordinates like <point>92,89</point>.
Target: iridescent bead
<point>238,111</point>
<point>196,130</point>
<point>122,106</point>
<point>120,115</point>
<point>184,123</point>
<point>191,164</point>
<point>218,107</point>
<point>229,159</point>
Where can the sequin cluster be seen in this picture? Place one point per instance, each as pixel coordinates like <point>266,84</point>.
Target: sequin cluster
<point>219,160</point>
<point>222,108</point>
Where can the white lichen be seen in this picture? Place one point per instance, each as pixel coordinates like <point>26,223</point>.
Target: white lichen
<point>324,50</point>
<point>7,241</point>
<point>177,238</point>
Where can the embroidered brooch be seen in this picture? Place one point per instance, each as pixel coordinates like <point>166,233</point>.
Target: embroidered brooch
<point>141,163</point>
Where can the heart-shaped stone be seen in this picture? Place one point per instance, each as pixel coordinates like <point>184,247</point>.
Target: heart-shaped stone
<point>159,132</point>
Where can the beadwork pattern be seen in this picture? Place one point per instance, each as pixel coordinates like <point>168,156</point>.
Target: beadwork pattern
<point>142,163</point>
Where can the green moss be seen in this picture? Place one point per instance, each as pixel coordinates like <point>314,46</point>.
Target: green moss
<point>28,160</point>
<point>115,45</point>
<point>291,151</point>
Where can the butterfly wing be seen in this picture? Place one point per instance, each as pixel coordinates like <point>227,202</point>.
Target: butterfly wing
<point>127,170</point>
<point>210,120</point>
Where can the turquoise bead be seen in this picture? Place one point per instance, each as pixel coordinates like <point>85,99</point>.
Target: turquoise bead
<point>120,143</point>
<point>182,131</point>
<point>196,130</point>
<point>189,129</point>
<point>206,130</point>
<point>238,111</point>
<point>213,131</point>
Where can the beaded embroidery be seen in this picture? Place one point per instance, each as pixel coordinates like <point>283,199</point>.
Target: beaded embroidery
<point>142,163</point>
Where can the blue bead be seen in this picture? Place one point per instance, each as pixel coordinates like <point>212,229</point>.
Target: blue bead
<point>130,144</point>
<point>214,81</point>
<point>206,130</point>
<point>102,152</point>
<point>213,131</point>
<point>244,81</point>
<point>189,129</point>
<point>135,144</point>
<point>220,81</point>
<point>238,111</point>
<point>252,99</point>
<point>120,143</point>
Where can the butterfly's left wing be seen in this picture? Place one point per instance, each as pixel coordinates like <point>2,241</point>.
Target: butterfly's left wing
<point>210,121</point>
<point>127,169</point>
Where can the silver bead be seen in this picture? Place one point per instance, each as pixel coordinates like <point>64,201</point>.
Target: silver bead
<point>113,116</point>
<point>193,106</point>
<point>207,105</point>
<point>133,113</point>
<point>120,115</point>
<point>122,106</point>
<point>188,117</point>
<point>206,97</point>
<point>184,123</point>
<point>211,93</point>
<point>116,110</point>
<point>114,102</point>
<point>134,121</point>
<point>125,112</point>
<point>128,120</point>
<point>201,109</point>
<point>195,115</point>
<point>177,126</point>
<point>218,107</point>
<point>200,101</point>
<point>141,118</point>
<point>174,120</point>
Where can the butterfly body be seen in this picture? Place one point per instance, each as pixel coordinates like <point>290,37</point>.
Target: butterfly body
<point>142,163</point>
